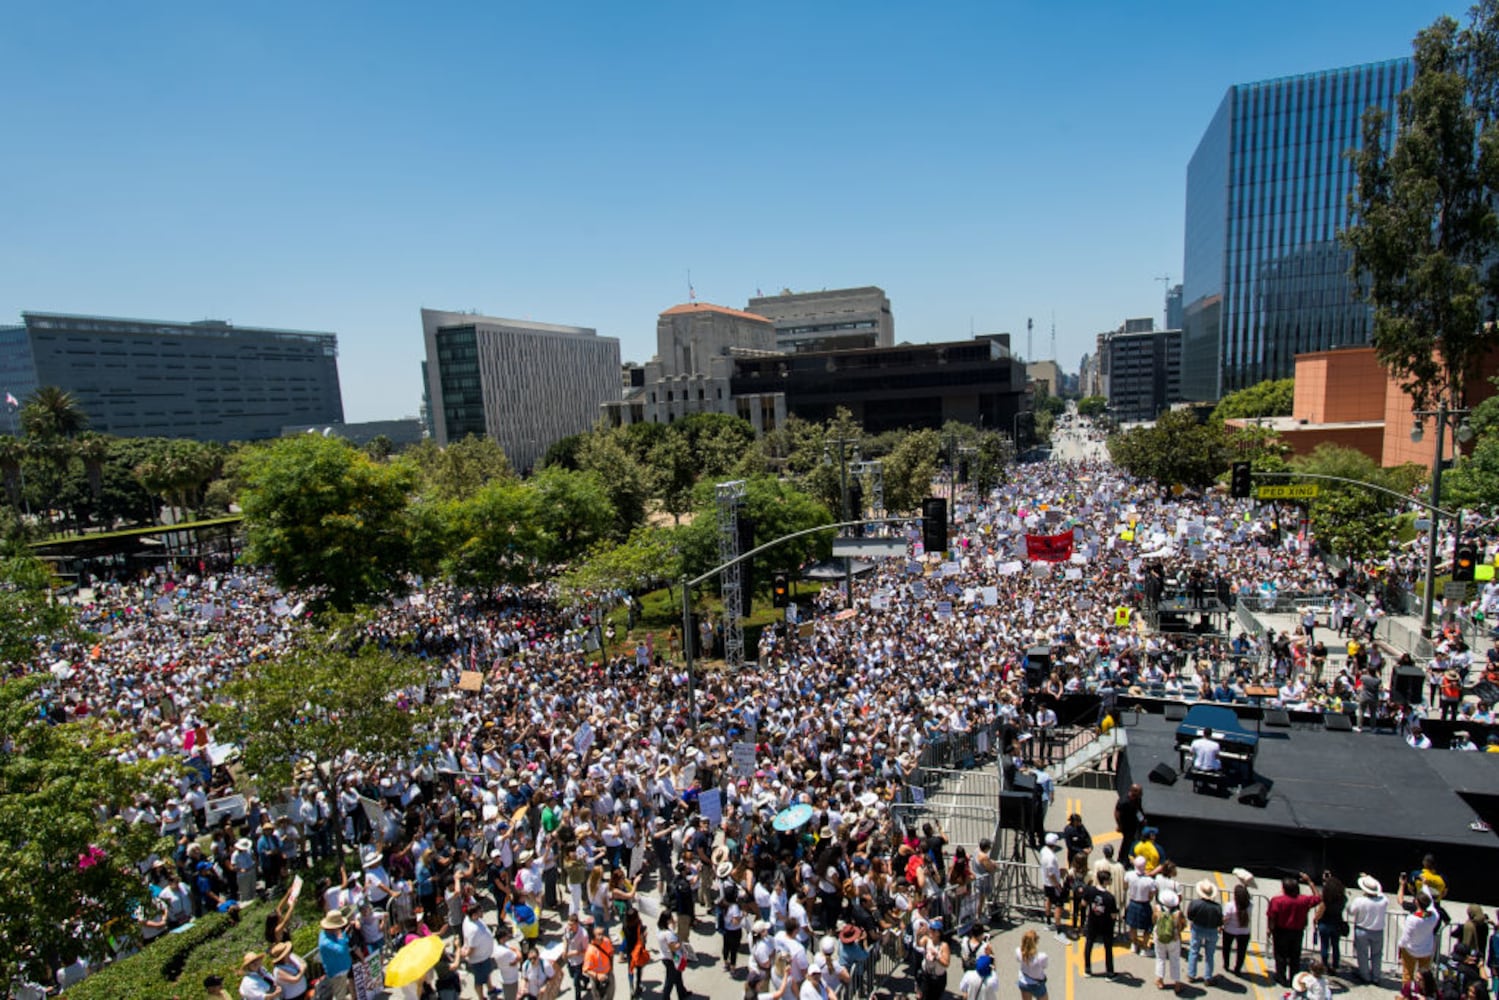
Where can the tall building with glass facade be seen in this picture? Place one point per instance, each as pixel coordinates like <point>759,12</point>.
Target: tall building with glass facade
<point>525,384</point>
<point>1264,277</point>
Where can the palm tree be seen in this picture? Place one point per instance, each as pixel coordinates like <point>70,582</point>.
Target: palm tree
<point>50,412</point>
<point>12,453</point>
<point>93,449</point>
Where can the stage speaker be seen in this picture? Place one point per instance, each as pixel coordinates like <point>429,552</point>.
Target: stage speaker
<point>1337,722</point>
<point>1176,712</point>
<point>1025,782</point>
<point>1277,717</point>
<point>1016,810</point>
<point>1254,794</point>
<point>1408,682</point>
<point>1163,774</point>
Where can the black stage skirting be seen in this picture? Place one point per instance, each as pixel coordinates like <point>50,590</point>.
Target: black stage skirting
<point>1349,802</point>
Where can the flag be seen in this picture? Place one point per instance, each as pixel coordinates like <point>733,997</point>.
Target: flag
<point>1049,548</point>
<point>12,402</point>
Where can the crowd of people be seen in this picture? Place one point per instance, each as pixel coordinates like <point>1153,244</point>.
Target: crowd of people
<point>579,790</point>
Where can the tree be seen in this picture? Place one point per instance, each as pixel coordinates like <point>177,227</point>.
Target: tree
<point>50,413</point>
<point>1423,230</point>
<point>1092,406</point>
<point>320,514</point>
<point>1354,522</point>
<point>909,470</point>
<point>491,538</point>
<point>307,711</point>
<point>625,478</point>
<point>1270,398</point>
<point>1177,450</point>
<point>573,512</point>
<point>66,871</point>
<point>1474,481</point>
<point>675,474</point>
<point>458,471</point>
<point>650,557</point>
<point>57,785</point>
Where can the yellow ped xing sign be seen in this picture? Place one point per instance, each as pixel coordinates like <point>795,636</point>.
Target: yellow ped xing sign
<point>1290,491</point>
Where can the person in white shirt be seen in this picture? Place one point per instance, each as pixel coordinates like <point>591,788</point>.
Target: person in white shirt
<point>1031,963</point>
<point>1205,752</point>
<point>478,949</point>
<point>980,982</point>
<point>1052,884</point>
<point>1418,938</point>
<point>1366,915</point>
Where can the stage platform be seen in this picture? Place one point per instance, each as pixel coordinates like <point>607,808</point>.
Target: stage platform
<point>1351,802</point>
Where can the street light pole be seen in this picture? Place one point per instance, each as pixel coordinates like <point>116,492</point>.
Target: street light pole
<point>848,562</point>
<point>1443,414</point>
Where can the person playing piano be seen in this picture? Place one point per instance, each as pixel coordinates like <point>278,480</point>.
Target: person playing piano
<point>1205,752</point>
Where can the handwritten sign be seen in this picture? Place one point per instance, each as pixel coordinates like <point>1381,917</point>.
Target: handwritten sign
<point>744,759</point>
<point>710,806</point>
<point>471,680</point>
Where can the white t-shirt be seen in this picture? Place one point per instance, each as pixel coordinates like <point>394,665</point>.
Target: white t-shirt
<point>1205,754</point>
<point>1051,870</point>
<point>508,960</point>
<point>479,939</point>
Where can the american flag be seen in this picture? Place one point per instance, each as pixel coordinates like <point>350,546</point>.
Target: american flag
<point>12,402</point>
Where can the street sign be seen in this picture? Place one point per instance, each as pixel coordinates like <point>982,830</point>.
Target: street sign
<point>869,547</point>
<point>1290,491</point>
<point>1455,590</point>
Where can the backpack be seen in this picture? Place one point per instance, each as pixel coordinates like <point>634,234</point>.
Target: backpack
<point>681,894</point>
<point>1165,927</point>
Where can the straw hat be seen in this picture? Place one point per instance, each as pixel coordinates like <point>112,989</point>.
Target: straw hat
<point>724,869</point>
<point>1370,885</point>
<point>251,957</point>
<point>335,921</point>
<point>1169,900</point>
<point>369,858</point>
<point>243,844</point>
<point>1303,982</point>
<point>1206,890</point>
<point>279,953</point>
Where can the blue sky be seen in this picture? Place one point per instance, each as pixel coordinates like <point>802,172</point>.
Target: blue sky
<point>339,166</point>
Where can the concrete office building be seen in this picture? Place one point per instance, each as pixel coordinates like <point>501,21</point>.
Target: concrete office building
<point>206,380</point>
<point>524,384</point>
<point>696,344</point>
<point>828,320</point>
<point>1264,278</point>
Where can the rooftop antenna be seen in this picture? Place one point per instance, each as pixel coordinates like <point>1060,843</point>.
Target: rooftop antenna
<point>1053,335</point>
<point>691,292</point>
<point>1028,324</point>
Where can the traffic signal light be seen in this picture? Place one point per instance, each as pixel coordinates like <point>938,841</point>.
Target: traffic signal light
<point>1238,481</point>
<point>934,525</point>
<point>1464,563</point>
<point>780,590</point>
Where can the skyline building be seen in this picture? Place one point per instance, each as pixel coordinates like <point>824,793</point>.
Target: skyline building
<point>524,384</point>
<point>207,380</point>
<point>829,320</point>
<point>1264,277</point>
<point>696,344</point>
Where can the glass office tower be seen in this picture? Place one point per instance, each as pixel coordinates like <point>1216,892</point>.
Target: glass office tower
<point>1264,278</point>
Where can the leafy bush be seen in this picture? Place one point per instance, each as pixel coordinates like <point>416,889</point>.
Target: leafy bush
<point>148,973</point>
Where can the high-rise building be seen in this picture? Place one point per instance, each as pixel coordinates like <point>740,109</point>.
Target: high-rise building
<point>1144,370</point>
<point>208,380</point>
<point>1174,307</point>
<point>1264,276</point>
<point>525,384</point>
<point>828,320</point>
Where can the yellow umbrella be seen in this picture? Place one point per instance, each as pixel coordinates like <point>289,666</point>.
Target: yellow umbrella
<point>413,961</point>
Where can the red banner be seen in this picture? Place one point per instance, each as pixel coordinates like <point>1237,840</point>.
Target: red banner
<point>1049,548</point>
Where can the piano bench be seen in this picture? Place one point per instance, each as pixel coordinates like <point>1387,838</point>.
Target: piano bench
<point>1221,781</point>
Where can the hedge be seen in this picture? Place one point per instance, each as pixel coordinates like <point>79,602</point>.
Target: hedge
<point>149,973</point>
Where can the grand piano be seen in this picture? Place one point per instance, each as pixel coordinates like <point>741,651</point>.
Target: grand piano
<point>1237,745</point>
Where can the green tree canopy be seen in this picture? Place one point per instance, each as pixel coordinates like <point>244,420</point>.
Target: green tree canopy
<point>1092,406</point>
<point>459,470</point>
<point>50,413</point>
<point>1423,229</point>
<point>305,711</point>
<point>1271,398</point>
<point>1175,450</point>
<point>321,514</point>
